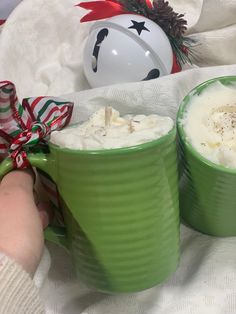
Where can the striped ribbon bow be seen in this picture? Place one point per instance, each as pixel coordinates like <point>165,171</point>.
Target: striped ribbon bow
<point>24,127</point>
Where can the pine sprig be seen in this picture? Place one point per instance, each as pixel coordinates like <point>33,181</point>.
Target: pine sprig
<point>172,23</point>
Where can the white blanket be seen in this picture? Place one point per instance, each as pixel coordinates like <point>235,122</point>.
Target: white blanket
<point>41,52</point>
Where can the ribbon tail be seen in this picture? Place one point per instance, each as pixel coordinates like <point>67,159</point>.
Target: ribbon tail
<point>51,111</point>
<point>100,10</point>
<point>5,140</point>
<point>10,119</point>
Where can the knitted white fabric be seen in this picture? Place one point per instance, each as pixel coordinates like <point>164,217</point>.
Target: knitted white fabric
<point>18,294</point>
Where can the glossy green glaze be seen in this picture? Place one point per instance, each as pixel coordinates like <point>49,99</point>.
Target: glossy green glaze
<point>207,190</point>
<point>121,212</point>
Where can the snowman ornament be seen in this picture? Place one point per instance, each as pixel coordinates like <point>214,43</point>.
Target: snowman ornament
<point>125,47</point>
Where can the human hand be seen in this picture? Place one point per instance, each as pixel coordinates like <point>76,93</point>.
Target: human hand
<point>21,222</point>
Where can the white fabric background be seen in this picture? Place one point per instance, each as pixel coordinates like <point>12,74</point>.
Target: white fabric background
<point>41,52</point>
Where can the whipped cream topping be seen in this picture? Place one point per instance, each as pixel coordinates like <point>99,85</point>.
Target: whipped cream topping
<point>210,124</point>
<point>106,129</point>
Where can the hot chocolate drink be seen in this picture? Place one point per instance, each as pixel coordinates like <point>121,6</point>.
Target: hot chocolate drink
<point>210,124</point>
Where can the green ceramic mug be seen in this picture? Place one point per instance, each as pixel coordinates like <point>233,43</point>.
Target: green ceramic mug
<point>207,190</point>
<point>121,212</point>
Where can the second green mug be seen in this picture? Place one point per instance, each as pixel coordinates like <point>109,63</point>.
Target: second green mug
<point>207,190</point>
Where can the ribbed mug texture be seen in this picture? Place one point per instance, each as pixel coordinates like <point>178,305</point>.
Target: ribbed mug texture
<point>121,213</point>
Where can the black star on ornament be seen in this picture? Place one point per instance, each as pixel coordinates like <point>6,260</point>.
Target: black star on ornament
<point>139,26</point>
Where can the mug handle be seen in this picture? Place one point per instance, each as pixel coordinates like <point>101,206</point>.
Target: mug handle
<point>53,234</point>
<point>39,160</point>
